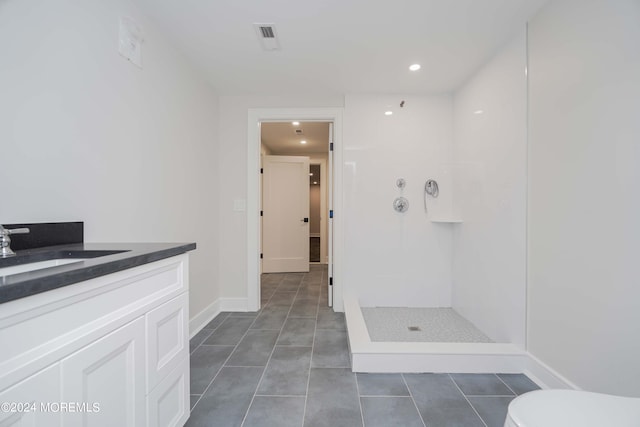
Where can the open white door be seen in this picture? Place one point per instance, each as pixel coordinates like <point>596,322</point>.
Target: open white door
<point>285,220</point>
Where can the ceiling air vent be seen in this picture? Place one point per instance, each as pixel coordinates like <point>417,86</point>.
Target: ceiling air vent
<point>267,32</point>
<point>298,131</point>
<point>267,36</point>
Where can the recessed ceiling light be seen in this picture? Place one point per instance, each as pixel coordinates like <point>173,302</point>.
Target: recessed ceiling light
<point>311,174</point>
<point>388,113</point>
<point>295,123</point>
<point>414,67</point>
<point>303,142</point>
<point>478,112</point>
<point>315,182</point>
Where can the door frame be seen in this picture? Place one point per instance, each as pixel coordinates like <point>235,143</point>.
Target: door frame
<point>255,117</point>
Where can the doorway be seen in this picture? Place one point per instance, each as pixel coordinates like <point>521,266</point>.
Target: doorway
<point>294,203</point>
<point>258,117</point>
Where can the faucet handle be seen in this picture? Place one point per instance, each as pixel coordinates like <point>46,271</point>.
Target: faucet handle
<point>17,230</point>
<point>6,231</point>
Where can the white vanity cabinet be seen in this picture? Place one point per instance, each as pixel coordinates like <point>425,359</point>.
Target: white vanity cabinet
<point>110,351</point>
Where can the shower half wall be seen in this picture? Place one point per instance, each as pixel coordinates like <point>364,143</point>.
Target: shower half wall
<point>468,251</point>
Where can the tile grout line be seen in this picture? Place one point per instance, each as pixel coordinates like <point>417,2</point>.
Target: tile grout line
<point>275,344</point>
<point>465,398</point>
<point>503,382</point>
<point>331,367</point>
<point>412,399</point>
<point>212,331</point>
<point>355,376</point>
<point>385,396</point>
<point>313,343</point>
<point>279,395</point>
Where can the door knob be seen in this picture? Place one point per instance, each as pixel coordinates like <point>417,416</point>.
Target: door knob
<point>304,220</point>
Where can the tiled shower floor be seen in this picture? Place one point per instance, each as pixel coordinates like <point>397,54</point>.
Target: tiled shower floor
<point>433,325</point>
<point>288,365</point>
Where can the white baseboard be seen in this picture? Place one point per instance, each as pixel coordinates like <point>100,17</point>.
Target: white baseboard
<point>546,377</point>
<point>200,320</point>
<point>234,304</point>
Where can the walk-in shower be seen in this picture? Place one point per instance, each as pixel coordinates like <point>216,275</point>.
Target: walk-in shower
<point>434,264</point>
<point>422,339</point>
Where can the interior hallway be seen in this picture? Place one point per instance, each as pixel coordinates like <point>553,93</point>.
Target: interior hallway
<point>288,365</point>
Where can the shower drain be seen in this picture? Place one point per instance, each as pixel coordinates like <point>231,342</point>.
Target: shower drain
<point>414,328</point>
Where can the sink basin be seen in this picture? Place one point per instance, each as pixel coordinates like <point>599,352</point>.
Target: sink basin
<point>32,266</point>
<point>52,259</point>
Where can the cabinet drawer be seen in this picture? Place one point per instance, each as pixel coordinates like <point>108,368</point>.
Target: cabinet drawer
<point>167,338</point>
<point>168,405</point>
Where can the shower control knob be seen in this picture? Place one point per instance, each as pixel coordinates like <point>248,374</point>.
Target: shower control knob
<point>400,204</point>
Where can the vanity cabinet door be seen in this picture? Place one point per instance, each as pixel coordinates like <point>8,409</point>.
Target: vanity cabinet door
<point>167,338</point>
<point>33,401</point>
<point>110,374</point>
<point>169,403</point>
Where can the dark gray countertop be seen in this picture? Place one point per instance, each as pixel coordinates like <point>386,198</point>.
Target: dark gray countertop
<point>97,264</point>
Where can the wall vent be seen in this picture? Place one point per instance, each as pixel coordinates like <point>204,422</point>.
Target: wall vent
<point>267,32</point>
<point>268,36</point>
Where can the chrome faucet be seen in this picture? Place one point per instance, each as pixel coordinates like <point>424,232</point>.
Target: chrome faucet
<point>5,240</point>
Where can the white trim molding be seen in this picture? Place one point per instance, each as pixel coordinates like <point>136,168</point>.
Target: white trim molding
<point>546,377</point>
<point>200,320</point>
<point>234,304</point>
<point>255,117</point>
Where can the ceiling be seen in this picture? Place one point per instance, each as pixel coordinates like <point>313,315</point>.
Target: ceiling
<point>281,138</point>
<point>338,46</point>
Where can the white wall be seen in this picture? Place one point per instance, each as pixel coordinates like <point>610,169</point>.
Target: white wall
<point>233,176</point>
<point>85,135</point>
<point>584,205</point>
<point>490,182</point>
<point>390,258</point>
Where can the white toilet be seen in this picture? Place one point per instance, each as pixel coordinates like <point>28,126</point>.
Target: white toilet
<point>568,408</point>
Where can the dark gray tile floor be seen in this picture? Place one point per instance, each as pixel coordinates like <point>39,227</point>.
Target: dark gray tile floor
<point>289,365</point>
